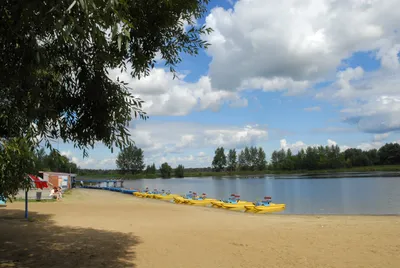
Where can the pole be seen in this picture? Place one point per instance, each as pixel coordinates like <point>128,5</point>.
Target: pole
<point>26,204</point>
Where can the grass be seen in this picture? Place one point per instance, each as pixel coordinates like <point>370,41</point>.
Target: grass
<point>47,200</point>
<point>387,168</point>
<point>34,200</point>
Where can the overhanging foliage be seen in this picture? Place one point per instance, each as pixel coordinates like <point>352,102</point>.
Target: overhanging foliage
<point>54,61</point>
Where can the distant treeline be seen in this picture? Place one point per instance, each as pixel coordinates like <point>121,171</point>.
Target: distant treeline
<point>113,172</point>
<point>250,158</point>
<point>253,159</point>
<point>330,157</point>
<point>311,158</point>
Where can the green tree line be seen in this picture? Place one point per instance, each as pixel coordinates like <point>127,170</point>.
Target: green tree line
<point>249,159</point>
<point>330,157</point>
<point>131,160</point>
<point>310,158</point>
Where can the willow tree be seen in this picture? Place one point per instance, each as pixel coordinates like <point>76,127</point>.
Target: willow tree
<point>55,56</point>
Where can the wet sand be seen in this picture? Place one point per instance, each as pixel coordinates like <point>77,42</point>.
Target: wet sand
<point>94,228</point>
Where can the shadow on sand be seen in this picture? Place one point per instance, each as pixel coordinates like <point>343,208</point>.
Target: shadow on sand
<point>38,242</point>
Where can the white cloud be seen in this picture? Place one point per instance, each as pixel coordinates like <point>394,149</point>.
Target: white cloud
<point>275,84</point>
<point>275,45</point>
<point>188,137</point>
<point>298,145</point>
<point>331,142</point>
<point>312,109</point>
<point>344,148</point>
<point>252,49</point>
<point>190,144</point>
<point>236,138</point>
<point>388,55</point>
<point>294,147</point>
<point>381,137</point>
<point>202,154</point>
<point>188,24</point>
<point>371,101</point>
<point>343,81</point>
<point>366,146</point>
<point>164,95</point>
<point>67,154</point>
<point>90,162</point>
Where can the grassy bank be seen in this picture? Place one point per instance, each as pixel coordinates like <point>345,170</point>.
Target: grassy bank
<point>391,168</point>
<point>34,200</point>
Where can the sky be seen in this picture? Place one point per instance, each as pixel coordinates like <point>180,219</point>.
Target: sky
<point>278,74</point>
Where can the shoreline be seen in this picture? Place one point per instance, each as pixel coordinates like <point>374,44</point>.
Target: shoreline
<point>297,175</point>
<point>243,211</point>
<point>109,229</point>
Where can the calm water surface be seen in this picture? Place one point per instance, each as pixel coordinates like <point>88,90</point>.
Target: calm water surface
<point>371,195</point>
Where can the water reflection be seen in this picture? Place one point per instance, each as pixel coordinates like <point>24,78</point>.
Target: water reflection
<point>379,195</point>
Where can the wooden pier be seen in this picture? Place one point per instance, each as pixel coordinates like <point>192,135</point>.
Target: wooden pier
<point>103,183</point>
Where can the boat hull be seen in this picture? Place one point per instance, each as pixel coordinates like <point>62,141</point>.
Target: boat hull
<point>179,199</point>
<point>165,197</point>
<point>265,209</point>
<point>138,194</point>
<point>236,207</point>
<point>217,204</point>
<point>203,202</point>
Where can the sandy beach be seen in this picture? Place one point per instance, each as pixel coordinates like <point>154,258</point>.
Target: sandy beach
<point>94,228</point>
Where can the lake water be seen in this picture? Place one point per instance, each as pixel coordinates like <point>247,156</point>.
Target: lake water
<point>379,195</point>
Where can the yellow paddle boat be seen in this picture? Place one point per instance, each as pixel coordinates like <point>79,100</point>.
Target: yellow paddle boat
<point>192,197</point>
<point>165,196</point>
<point>217,203</point>
<point>263,209</point>
<point>200,201</point>
<point>238,206</point>
<point>255,207</point>
<point>233,199</point>
<point>152,194</point>
<point>234,203</point>
<point>142,193</point>
<point>265,206</point>
<point>179,199</point>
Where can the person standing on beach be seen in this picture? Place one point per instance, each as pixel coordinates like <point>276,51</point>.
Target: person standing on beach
<point>59,192</point>
<point>54,193</point>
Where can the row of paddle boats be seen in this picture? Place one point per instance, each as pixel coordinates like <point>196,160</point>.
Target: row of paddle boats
<point>232,203</point>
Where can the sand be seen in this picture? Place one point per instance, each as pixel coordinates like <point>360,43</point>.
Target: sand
<point>94,228</point>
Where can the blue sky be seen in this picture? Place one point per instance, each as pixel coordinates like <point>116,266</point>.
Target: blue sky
<point>278,74</point>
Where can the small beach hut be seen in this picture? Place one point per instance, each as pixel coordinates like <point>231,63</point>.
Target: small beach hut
<point>58,179</point>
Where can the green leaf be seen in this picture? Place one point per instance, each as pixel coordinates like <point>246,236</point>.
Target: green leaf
<point>59,80</point>
<point>72,5</point>
<point>119,42</point>
<point>82,2</point>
